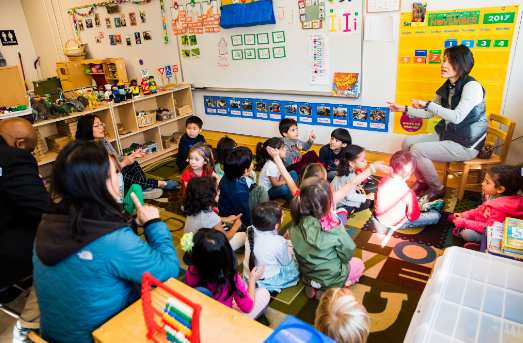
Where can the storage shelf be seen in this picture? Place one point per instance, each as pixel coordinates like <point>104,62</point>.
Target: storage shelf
<point>50,156</point>
<point>158,123</point>
<point>129,134</point>
<point>16,114</point>
<point>155,154</point>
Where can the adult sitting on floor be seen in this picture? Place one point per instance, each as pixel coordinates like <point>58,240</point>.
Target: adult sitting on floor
<point>23,200</point>
<point>461,133</point>
<point>90,128</point>
<point>88,262</point>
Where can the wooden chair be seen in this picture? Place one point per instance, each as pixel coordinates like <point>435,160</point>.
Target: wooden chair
<point>476,164</point>
<point>35,338</point>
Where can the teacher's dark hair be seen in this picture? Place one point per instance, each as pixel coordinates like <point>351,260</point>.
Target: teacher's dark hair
<point>84,128</point>
<point>461,59</point>
<point>79,178</point>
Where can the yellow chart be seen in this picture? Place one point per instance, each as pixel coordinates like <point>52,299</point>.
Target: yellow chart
<point>488,32</point>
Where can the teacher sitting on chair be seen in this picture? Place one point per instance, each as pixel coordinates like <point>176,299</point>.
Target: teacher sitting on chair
<point>460,135</point>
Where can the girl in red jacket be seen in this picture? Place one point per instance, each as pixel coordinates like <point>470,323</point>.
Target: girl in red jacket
<point>501,186</point>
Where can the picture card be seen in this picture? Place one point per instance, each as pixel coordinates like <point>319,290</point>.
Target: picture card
<point>237,40</point>
<point>263,38</point>
<point>221,105</point>
<point>210,105</point>
<point>275,109</point>
<point>249,39</point>
<point>123,20</point>
<point>250,54</point>
<point>248,108</point>
<point>137,38</point>
<point>262,109</point>
<point>237,54</point>
<point>264,54</point>
<point>235,107</point>
<point>278,37</point>
<point>278,52</point>
<point>340,115</point>
<point>132,19</point>
<point>323,113</point>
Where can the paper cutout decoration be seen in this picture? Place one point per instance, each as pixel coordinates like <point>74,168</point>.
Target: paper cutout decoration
<point>222,44</point>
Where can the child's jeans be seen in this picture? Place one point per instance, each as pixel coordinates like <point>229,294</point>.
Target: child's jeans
<point>260,304</point>
<point>308,158</point>
<point>283,191</point>
<point>356,269</point>
<point>425,218</point>
<point>467,234</point>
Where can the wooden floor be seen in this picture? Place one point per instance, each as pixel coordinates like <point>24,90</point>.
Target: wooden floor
<point>7,322</point>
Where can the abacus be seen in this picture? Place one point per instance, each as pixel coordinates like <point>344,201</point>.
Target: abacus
<point>169,316</point>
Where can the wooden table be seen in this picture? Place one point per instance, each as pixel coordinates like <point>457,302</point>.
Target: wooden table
<point>219,323</point>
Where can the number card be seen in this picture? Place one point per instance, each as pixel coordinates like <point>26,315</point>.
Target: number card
<point>406,59</point>
<point>501,43</point>
<point>483,43</point>
<point>420,56</point>
<point>449,43</point>
<point>434,56</point>
<point>468,43</point>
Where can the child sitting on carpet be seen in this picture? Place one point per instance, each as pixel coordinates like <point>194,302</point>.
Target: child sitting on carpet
<point>501,186</point>
<point>323,249</point>
<point>224,147</point>
<point>126,201</point>
<point>201,163</point>
<point>266,247</point>
<point>199,202</point>
<point>235,196</point>
<point>342,317</point>
<point>215,269</point>
<point>352,159</point>
<point>270,176</point>
<point>293,159</point>
<point>396,204</point>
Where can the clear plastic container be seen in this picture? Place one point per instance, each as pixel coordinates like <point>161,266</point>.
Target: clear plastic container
<point>471,297</point>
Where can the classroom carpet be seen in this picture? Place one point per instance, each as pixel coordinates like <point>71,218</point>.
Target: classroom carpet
<point>397,265</point>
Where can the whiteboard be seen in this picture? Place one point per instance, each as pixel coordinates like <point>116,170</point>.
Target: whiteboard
<point>291,73</point>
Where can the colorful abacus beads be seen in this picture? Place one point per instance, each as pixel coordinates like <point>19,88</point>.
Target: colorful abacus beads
<point>186,310</point>
<point>176,325</point>
<point>173,336</point>
<point>179,318</point>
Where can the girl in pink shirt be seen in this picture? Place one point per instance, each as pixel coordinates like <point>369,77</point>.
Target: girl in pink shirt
<point>215,268</point>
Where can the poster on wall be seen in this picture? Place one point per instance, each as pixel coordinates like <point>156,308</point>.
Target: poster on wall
<point>319,59</point>
<point>487,31</point>
<point>324,114</point>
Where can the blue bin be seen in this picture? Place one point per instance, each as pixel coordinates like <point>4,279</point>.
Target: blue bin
<point>293,330</point>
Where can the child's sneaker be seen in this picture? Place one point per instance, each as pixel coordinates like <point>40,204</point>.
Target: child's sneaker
<point>170,185</point>
<point>152,193</point>
<point>436,205</point>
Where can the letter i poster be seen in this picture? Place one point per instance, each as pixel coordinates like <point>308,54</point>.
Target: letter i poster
<point>325,114</point>
<point>488,32</point>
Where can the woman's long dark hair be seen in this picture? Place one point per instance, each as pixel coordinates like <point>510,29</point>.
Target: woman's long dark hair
<point>84,128</point>
<point>79,178</point>
<point>215,262</point>
<point>261,151</point>
<point>265,217</point>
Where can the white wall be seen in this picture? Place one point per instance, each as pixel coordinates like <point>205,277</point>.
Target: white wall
<point>12,18</point>
<point>378,86</point>
<point>54,26</point>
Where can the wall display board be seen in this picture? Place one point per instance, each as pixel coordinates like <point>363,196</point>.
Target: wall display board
<point>488,32</point>
<point>325,114</point>
<point>277,56</point>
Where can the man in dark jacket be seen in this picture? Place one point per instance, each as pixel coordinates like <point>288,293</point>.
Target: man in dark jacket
<point>23,200</point>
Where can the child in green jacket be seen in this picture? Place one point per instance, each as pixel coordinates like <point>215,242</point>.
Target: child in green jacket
<point>323,249</point>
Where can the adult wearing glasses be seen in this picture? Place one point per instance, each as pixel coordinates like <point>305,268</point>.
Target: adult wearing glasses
<point>91,128</point>
<point>461,132</point>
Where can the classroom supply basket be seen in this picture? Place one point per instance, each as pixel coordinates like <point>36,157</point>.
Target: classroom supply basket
<point>74,53</point>
<point>149,118</point>
<point>169,316</point>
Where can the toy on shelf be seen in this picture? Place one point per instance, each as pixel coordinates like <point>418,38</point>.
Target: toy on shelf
<point>93,103</point>
<point>146,118</point>
<point>108,94</point>
<point>135,88</point>
<point>163,114</point>
<point>116,94</point>
<point>152,84</point>
<point>121,92</point>
<point>169,316</point>
<point>145,86</point>
<point>71,102</point>
<point>151,147</point>
<point>128,91</point>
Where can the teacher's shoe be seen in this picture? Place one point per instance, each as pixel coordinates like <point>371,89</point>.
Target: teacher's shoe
<point>433,194</point>
<point>418,187</point>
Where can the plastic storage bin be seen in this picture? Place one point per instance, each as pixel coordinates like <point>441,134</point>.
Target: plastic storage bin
<point>471,297</point>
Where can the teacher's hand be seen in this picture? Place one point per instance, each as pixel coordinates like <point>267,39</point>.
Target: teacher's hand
<point>418,103</point>
<point>395,107</point>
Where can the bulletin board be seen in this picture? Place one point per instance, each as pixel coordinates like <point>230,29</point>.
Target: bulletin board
<point>489,32</point>
<point>277,56</point>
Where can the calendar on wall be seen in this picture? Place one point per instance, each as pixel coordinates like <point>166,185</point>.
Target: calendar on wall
<point>488,32</point>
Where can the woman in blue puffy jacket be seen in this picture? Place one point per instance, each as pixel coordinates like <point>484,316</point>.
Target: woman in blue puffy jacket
<point>88,261</point>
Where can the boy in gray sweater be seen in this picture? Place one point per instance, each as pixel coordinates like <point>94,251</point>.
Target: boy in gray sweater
<point>293,146</point>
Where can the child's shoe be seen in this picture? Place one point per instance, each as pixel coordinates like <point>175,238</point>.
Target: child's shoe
<point>170,185</point>
<point>310,292</point>
<point>434,205</point>
<point>152,193</point>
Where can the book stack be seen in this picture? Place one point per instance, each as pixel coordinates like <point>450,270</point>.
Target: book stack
<point>185,110</point>
<point>506,239</point>
<point>57,142</point>
<point>67,127</point>
<point>40,149</point>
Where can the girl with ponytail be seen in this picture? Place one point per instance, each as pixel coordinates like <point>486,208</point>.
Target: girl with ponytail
<point>501,186</point>
<point>264,246</point>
